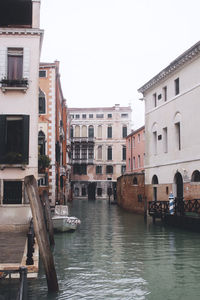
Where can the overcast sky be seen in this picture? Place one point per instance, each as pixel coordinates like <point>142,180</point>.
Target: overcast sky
<point>109,48</point>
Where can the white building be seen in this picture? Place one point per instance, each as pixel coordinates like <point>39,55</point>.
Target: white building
<point>172,105</point>
<point>98,148</point>
<point>20,44</point>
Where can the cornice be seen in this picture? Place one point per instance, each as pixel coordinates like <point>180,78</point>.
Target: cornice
<point>21,31</point>
<point>179,62</point>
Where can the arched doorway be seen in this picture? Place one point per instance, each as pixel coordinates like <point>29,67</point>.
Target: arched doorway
<point>155,186</point>
<point>178,180</point>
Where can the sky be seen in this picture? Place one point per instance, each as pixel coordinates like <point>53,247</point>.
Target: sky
<point>109,48</point>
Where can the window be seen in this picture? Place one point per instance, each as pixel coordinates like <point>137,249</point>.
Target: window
<point>159,96</point>
<point>133,142</point>
<point>71,132</point>
<point>42,102</point>
<point>109,169</point>
<point>124,153</point>
<point>109,153</point>
<point>42,73</point>
<point>176,85</point>
<point>84,131</point>
<point>84,151</point>
<point>80,169</point>
<point>99,116</point>
<point>109,116</point>
<point>155,142</point>
<point>99,131</point>
<point>90,151</point>
<point>77,116</point>
<point>72,116</point>
<point>14,139</point>
<point>196,176</point>
<point>135,181</point>
<point>77,131</point>
<point>90,116</point>
<point>77,151</point>
<point>165,93</point>
<point>84,116</point>
<point>15,63</point>
<point>98,169</point>
<point>123,169</point>
<point>138,137</point>
<point>124,131</point>
<point>178,135</point>
<point>12,192</point>
<point>154,99</point>
<point>91,131</point>
<point>99,152</point>
<point>134,165</point>
<point>124,115</point>
<point>83,191</point>
<point>99,192</point>
<point>165,140</point>
<point>109,132</point>
<point>139,161</point>
<point>41,143</point>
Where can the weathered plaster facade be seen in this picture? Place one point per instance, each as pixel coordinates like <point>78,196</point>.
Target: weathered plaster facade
<point>98,149</point>
<point>19,64</point>
<point>172,142</point>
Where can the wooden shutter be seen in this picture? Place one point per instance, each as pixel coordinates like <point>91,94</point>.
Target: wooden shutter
<point>2,136</point>
<point>3,62</point>
<point>25,149</point>
<point>26,63</point>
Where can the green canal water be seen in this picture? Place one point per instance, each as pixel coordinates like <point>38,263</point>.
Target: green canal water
<point>116,255</point>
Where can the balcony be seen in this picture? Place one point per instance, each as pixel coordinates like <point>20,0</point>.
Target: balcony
<point>14,84</point>
<point>82,139</point>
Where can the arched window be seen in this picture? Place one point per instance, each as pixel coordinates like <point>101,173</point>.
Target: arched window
<point>91,131</point>
<point>155,179</point>
<point>84,131</point>
<point>99,131</point>
<point>99,152</point>
<point>135,181</point>
<point>195,176</point>
<point>41,142</point>
<point>77,131</point>
<point>42,102</point>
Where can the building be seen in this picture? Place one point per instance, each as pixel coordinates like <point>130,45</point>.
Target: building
<point>20,45</point>
<point>98,149</point>
<point>52,135</point>
<point>172,144</point>
<point>135,151</point>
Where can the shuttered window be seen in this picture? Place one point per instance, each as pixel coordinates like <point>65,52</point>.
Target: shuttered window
<point>14,139</point>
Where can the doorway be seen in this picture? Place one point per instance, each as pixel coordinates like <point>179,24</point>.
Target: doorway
<point>91,191</point>
<point>178,180</point>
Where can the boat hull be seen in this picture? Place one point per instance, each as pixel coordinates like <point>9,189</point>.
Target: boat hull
<point>64,224</point>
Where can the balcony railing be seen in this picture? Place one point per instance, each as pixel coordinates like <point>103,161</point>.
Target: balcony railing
<point>14,84</point>
<point>82,139</point>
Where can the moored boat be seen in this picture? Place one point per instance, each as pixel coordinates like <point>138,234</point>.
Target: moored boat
<point>62,222</point>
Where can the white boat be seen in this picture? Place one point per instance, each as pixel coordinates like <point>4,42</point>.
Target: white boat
<point>62,222</point>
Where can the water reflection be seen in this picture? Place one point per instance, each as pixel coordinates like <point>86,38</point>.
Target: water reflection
<point>116,255</point>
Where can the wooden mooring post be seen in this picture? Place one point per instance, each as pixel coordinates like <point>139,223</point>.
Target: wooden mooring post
<point>47,211</point>
<point>41,233</point>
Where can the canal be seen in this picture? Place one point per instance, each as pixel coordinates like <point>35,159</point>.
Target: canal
<point>116,255</point>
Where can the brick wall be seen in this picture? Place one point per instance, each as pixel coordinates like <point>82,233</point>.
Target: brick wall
<point>131,195</point>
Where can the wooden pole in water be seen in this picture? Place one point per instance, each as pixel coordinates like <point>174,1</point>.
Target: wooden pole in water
<point>41,233</point>
<point>47,211</point>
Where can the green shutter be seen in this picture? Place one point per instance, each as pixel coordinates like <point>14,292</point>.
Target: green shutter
<point>25,149</point>
<point>2,137</point>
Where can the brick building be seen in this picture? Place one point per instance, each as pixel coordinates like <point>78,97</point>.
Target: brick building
<point>52,134</point>
<point>135,151</point>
